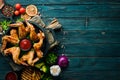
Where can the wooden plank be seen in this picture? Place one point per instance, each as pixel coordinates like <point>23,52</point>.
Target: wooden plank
<point>26,2</point>
<point>86,23</point>
<point>3,74</point>
<point>91,50</point>
<point>4,61</point>
<point>94,63</point>
<point>80,11</point>
<point>103,24</point>
<point>90,75</point>
<point>89,36</point>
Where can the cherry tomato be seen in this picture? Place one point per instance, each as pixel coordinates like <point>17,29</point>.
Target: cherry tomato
<point>18,6</point>
<point>22,10</point>
<point>16,12</point>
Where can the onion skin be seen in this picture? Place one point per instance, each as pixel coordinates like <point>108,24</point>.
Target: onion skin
<point>63,61</point>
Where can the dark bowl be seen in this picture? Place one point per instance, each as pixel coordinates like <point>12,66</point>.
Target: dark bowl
<point>45,45</point>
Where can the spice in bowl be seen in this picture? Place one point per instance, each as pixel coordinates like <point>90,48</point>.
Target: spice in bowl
<point>8,11</point>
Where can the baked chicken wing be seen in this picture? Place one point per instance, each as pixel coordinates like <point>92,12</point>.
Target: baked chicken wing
<point>28,58</point>
<point>22,30</point>
<point>12,38</point>
<point>38,45</point>
<point>33,34</point>
<point>15,52</point>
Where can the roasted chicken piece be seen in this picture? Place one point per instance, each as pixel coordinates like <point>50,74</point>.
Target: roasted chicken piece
<point>15,52</point>
<point>39,55</point>
<point>33,34</point>
<point>12,38</point>
<point>38,45</point>
<point>22,30</point>
<point>28,58</point>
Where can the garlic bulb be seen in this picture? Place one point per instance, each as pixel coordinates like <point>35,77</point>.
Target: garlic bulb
<point>55,70</point>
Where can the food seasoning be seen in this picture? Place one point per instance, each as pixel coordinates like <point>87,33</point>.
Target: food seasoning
<point>31,10</point>
<point>8,11</point>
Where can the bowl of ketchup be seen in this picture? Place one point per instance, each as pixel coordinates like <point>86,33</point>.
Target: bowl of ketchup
<point>25,44</point>
<point>11,76</point>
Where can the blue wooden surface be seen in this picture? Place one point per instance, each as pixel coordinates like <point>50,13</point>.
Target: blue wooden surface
<point>90,36</point>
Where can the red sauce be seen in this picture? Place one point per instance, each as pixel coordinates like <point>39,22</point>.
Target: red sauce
<point>25,44</point>
<point>11,76</point>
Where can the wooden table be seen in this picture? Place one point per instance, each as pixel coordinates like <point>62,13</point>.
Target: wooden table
<point>90,36</point>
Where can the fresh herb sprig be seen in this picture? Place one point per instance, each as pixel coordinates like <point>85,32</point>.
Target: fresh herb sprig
<point>51,58</point>
<point>5,24</point>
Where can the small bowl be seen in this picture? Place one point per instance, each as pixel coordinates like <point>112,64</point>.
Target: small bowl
<point>9,14</point>
<point>11,76</point>
<point>23,44</point>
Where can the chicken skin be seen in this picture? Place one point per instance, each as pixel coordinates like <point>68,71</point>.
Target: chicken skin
<point>38,45</point>
<point>28,57</point>
<point>33,34</point>
<point>15,52</point>
<point>22,30</point>
<point>12,38</point>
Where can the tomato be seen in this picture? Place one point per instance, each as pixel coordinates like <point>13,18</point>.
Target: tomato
<point>16,12</point>
<point>25,44</point>
<point>22,10</point>
<point>18,6</point>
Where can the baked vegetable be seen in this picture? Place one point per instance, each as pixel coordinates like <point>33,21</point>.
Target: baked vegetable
<point>55,70</point>
<point>51,58</point>
<point>42,67</point>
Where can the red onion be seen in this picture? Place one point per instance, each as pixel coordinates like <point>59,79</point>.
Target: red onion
<point>63,61</point>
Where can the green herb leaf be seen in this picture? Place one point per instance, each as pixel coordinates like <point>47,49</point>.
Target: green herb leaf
<point>5,24</point>
<point>51,58</point>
